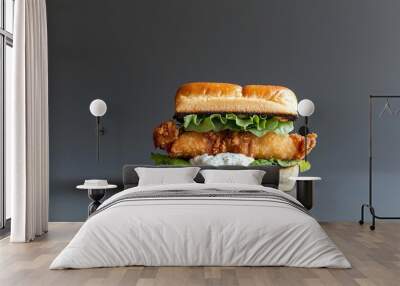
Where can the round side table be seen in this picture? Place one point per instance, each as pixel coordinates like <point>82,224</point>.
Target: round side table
<point>95,193</point>
<point>305,190</point>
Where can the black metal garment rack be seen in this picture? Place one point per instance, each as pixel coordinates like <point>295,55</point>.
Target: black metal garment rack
<point>369,205</point>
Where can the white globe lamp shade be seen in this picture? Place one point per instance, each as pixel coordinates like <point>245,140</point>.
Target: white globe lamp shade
<point>305,107</point>
<point>98,107</point>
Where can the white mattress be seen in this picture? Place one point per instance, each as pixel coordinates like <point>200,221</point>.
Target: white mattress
<point>200,231</point>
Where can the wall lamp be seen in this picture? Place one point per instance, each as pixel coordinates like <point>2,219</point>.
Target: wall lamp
<point>305,108</point>
<point>98,108</point>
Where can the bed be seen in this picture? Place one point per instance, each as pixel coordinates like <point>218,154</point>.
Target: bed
<point>201,224</point>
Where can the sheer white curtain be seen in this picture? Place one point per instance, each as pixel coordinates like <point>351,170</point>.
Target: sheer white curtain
<point>27,124</point>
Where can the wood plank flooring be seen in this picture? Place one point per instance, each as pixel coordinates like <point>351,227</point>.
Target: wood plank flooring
<point>375,257</point>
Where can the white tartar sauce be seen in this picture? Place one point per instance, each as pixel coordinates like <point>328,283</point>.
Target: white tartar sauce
<point>222,159</point>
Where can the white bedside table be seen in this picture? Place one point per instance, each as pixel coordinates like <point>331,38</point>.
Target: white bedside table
<point>305,190</point>
<point>95,193</point>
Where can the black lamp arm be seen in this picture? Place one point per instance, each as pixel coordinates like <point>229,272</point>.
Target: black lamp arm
<point>99,131</point>
<point>305,139</point>
<point>303,130</point>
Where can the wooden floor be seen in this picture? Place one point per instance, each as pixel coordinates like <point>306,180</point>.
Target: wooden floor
<point>375,257</point>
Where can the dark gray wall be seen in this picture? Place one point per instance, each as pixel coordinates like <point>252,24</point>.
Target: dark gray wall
<point>134,54</point>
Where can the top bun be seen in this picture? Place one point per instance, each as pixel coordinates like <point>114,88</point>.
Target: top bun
<point>209,97</point>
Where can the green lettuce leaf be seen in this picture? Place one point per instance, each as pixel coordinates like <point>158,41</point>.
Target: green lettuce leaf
<point>263,162</point>
<point>258,125</point>
<point>303,165</point>
<point>161,159</point>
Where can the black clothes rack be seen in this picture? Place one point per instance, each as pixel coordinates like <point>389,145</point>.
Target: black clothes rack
<point>370,205</point>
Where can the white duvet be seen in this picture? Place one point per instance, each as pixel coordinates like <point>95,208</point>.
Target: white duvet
<point>200,231</point>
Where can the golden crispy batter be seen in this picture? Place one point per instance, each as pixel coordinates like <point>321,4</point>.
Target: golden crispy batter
<point>298,140</point>
<point>165,134</point>
<point>269,146</point>
<point>192,144</point>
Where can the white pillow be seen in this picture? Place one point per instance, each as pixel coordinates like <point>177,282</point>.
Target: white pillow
<point>164,176</point>
<point>248,177</point>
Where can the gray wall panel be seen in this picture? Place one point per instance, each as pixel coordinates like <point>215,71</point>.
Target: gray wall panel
<point>134,54</point>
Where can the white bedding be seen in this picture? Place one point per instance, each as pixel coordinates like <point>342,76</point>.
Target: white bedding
<point>200,231</point>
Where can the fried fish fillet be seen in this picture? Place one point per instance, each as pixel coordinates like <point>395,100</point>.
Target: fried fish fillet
<point>182,144</point>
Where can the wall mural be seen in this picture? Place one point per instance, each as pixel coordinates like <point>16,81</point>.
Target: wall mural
<point>226,124</point>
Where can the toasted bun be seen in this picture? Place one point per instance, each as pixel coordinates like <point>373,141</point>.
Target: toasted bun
<point>207,97</point>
